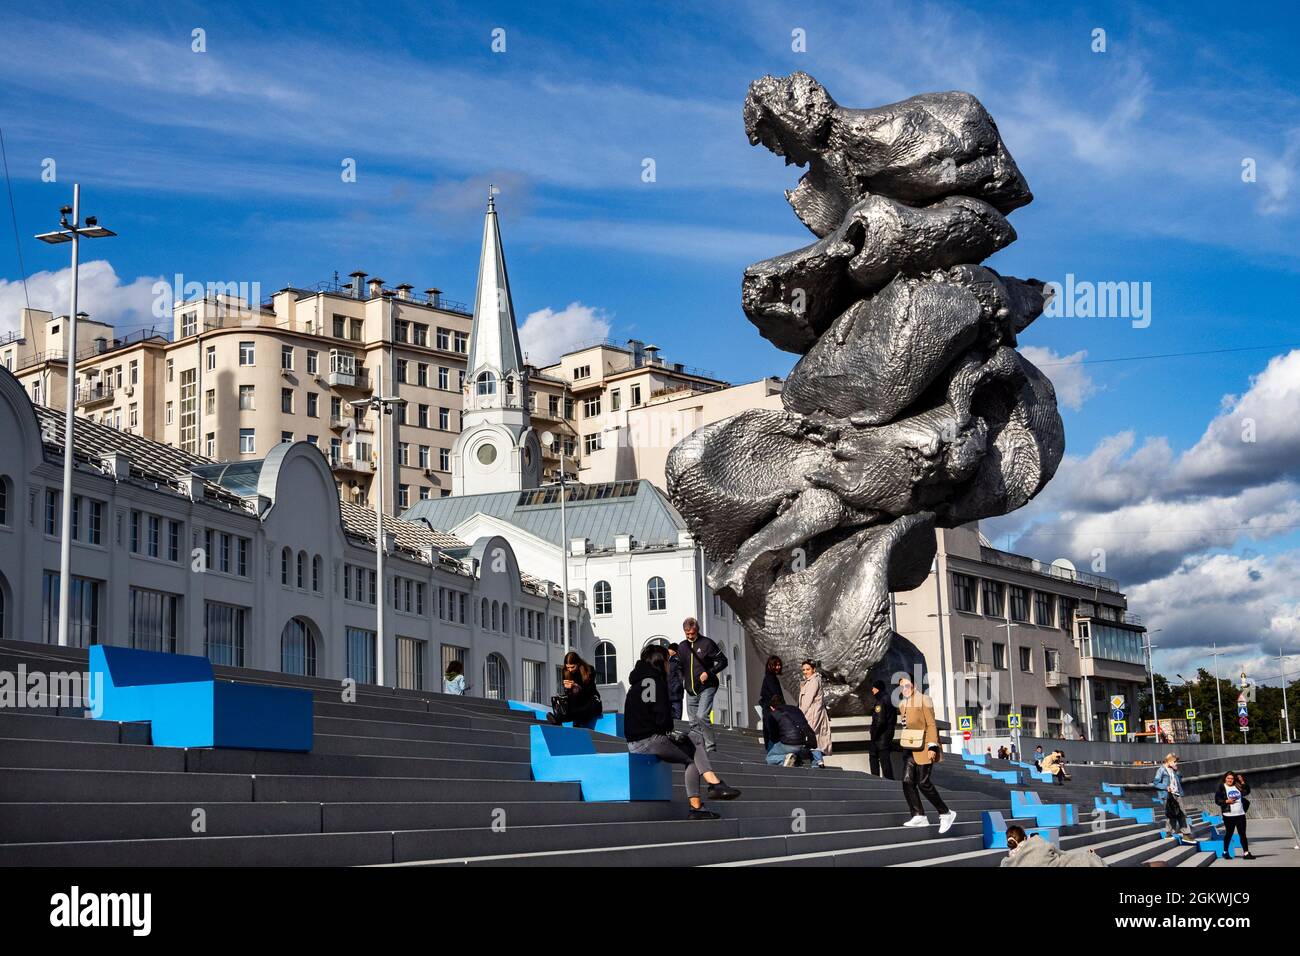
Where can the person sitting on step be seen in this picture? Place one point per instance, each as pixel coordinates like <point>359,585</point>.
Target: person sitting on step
<point>579,701</point>
<point>796,741</point>
<point>648,726</point>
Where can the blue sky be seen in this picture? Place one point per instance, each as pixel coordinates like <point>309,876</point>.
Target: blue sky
<point>225,166</point>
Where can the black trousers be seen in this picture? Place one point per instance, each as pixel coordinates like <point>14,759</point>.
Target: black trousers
<point>1175,814</point>
<point>882,764</point>
<point>1237,825</point>
<point>916,781</point>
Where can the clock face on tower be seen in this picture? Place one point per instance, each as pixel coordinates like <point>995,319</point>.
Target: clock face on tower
<point>487,453</point>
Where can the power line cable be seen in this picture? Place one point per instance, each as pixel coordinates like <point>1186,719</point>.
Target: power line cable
<point>13,214</point>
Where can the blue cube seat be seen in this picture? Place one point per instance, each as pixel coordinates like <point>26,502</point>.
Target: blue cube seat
<point>1027,803</point>
<point>560,754</point>
<point>611,724</point>
<point>187,707</point>
<point>994,826</point>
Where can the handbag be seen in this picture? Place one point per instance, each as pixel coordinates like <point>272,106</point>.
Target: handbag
<point>560,706</point>
<point>912,739</point>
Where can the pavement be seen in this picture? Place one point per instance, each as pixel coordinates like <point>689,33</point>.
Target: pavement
<point>1273,842</point>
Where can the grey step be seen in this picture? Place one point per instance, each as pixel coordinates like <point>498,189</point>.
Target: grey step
<point>305,849</point>
<point>394,730</point>
<point>56,754</point>
<point>27,785</point>
<point>45,726</point>
<point>889,855</point>
<point>347,765</point>
<point>299,787</point>
<point>388,747</point>
<point>703,851</point>
<point>61,822</point>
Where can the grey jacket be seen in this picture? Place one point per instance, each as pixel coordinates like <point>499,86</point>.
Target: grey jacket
<point>1038,852</point>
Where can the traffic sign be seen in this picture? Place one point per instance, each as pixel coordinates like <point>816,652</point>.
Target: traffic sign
<point>1118,727</point>
<point>1198,726</point>
<point>965,723</point>
<point>1013,721</point>
<point>1244,721</point>
<point>1117,715</point>
<point>966,735</point>
<point>1191,714</point>
<point>1117,702</point>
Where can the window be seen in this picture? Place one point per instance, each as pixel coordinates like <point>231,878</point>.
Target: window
<point>1044,609</point>
<point>301,576</point>
<point>286,357</point>
<point>286,401</point>
<point>211,354</point>
<point>316,573</point>
<point>135,532</point>
<point>591,407</point>
<point>247,441</point>
<point>169,414</point>
<point>340,326</point>
<point>153,620</point>
<point>591,443</point>
<point>462,342</point>
<point>210,445</point>
<point>444,459</point>
<point>313,405</point>
<point>403,496</point>
<point>422,374</point>
<point>963,592</point>
<point>246,353</point>
<point>581,371</point>
<point>52,510</point>
<point>971,647</point>
<point>210,402</point>
<point>286,437</point>
<point>94,519</point>
<point>246,398</point>
<point>173,540</point>
<point>423,458</point>
<point>400,371</point>
<point>615,400</point>
<point>83,610</point>
<point>999,657</point>
<point>410,664</point>
<point>403,453</point>
<point>1019,604</point>
<point>606,663</point>
<point>76,518</point>
<point>486,383</point>
<point>496,677</point>
<point>133,415</point>
<point>189,323</point>
<point>636,395</point>
<point>171,370</point>
<point>602,598</point>
<point>223,633</point>
<point>313,362</point>
<point>442,340</point>
<point>1026,660</point>
<point>1051,660</point>
<point>361,655</point>
<point>991,594</point>
<point>298,648</point>
<point>286,559</point>
<point>153,525</point>
<point>657,594</point>
<point>133,376</point>
<point>1068,606</point>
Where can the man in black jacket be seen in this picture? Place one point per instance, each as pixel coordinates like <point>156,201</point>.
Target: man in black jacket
<point>702,662</point>
<point>796,740</point>
<point>648,722</point>
<point>676,682</point>
<point>884,717</point>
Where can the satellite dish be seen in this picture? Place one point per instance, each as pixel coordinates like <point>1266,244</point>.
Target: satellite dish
<point>1065,564</point>
<point>548,439</point>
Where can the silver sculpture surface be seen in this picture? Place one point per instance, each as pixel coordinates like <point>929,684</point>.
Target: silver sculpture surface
<point>910,408</point>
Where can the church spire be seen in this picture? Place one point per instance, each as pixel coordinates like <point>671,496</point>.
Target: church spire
<point>494,340</point>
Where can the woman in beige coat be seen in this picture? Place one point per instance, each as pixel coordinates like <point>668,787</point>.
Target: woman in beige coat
<point>813,705</point>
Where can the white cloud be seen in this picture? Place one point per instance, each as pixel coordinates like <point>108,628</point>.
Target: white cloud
<point>547,334</point>
<point>1073,384</point>
<point>100,294</point>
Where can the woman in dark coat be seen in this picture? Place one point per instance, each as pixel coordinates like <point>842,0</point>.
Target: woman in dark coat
<point>771,688</point>
<point>1233,804</point>
<point>578,702</point>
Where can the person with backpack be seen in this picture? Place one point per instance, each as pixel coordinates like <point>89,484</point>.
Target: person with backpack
<point>1170,781</point>
<point>648,729</point>
<point>1232,798</point>
<point>796,741</point>
<point>702,662</point>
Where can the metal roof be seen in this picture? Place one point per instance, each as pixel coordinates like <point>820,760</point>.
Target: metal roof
<point>595,512</point>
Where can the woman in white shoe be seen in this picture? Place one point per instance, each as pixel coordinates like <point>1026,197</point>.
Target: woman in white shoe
<point>921,742</point>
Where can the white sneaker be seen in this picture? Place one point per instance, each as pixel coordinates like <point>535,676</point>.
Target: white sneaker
<point>946,821</point>
<point>917,822</point>
<point>789,760</point>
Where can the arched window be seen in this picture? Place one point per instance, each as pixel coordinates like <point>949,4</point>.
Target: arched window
<point>286,558</point>
<point>505,619</point>
<point>302,569</point>
<point>496,616</point>
<point>606,663</point>
<point>315,573</point>
<point>486,383</point>
<point>496,677</point>
<point>4,500</point>
<point>602,598</point>
<point>657,594</point>
<point>298,648</point>
<point>658,641</point>
<point>484,617</point>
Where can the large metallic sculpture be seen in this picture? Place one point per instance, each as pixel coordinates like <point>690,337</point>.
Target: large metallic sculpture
<point>910,409</point>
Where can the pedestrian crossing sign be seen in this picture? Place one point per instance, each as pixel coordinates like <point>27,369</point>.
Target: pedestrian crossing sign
<point>965,723</point>
<point>1118,727</point>
<point>1013,721</point>
<point>1191,714</point>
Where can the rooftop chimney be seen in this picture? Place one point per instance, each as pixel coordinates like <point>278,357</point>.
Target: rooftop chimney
<point>435,297</point>
<point>375,285</point>
<point>652,355</point>
<point>404,291</point>
<point>638,352</point>
<point>358,280</point>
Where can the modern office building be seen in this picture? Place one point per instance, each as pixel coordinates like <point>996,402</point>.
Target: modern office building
<point>1014,635</point>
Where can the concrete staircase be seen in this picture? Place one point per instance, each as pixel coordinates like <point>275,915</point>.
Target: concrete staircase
<point>407,778</point>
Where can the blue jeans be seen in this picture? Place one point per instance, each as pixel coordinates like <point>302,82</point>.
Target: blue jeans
<point>777,754</point>
<point>697,710</point>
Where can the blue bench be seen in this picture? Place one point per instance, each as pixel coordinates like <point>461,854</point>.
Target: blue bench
<point>560,754</point>
<point>1125,811</point>
<point>1112,789</point>
<point>995,831</point>
<point>1027,803</point>
<point>611,724</point>
<point>187,707</point>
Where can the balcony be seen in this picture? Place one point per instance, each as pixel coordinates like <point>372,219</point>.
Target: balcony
<point>1055,679</point>
<point>351,465</point>
<point>91,395</point>
<point>358,379</point>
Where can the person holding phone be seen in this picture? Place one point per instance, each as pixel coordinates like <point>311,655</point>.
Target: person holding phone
<point>1233,803</point>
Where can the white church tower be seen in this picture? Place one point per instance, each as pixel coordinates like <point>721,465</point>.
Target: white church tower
<point>497,449</point>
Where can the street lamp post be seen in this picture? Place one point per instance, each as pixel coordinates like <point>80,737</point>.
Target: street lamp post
<point>70,232</point>
<point>1155,708</point>
<point>551,441</point>
<point>1218,691</point>
<point>1286,711</point>
<point>383,405</point>
<point>1189,696</point>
